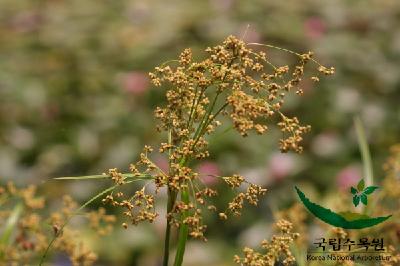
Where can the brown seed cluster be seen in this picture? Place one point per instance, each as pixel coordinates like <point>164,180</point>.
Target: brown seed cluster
<point>232,81</point>
<point>294,132</point>
<point>251,195</point>
<point>234,181</point>
<point>67,240</point>
<point>194,221</point>
<point>138,208</point>
<point>297,215</point>
<point>33,233</point>
<point>27,195</point>
<point>276,250</point>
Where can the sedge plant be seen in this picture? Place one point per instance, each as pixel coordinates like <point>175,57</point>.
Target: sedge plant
<point>235,80</point>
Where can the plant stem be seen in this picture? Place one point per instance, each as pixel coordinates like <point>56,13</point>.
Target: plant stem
<point>184,228</point>
<point>183,231</point>
<point>170,205</point>
<point>171,202</point>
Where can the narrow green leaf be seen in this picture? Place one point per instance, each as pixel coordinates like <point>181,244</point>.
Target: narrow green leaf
<point>353,190</point>
<point>146,176</point>
<point>365,153</point>
<point>11,224</point>
<point>356,200</point>
<point>361,185</point>
<point>82,177</point>
<point>370,190</point>
<point>364,199</point>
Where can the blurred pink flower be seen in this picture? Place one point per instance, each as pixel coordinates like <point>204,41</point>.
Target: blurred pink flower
<point>280,165</point>
<point>26,21</point>
<point>207,170</point>
<point>326,144</point>
<point>314,27</point>
<point>348,176</point>
<point>135,82</point>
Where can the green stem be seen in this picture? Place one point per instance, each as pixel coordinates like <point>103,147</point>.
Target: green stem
<point>171,202</point>
<point>170,205</point>
<point>204,122</point>
<point>194,106</point>
<point>183,231</point>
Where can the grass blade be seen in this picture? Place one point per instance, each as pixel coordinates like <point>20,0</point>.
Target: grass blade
<point>82,177</point>
<point>366,156</point>
<point>145,176</point>
<point>365,153</point>
<point>10,224</point>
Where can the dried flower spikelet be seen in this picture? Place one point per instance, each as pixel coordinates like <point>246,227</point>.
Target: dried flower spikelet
<point>137,208</point>
<point>326,71</point>
<point>185,58</point>
<point>116,176</point>
<point>252,195</point>
<point>298,216</point>
<point>222,216</point>
<point>295,133</point>
<point>234,181</point>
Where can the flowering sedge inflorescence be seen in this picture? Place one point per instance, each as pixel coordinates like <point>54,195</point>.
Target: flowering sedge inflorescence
<point>33,231</point>
<point>234,81</point>
<point>277,249</point>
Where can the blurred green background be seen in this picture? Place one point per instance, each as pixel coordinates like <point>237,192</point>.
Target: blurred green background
<point>75,99</point>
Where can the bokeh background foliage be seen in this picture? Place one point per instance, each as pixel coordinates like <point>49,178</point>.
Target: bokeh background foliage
<point>75,99</point>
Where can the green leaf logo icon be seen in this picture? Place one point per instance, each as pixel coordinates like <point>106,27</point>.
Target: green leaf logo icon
<point>346,220</point>
<point>360,193</point>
